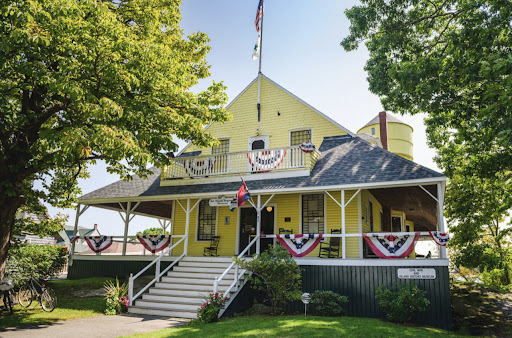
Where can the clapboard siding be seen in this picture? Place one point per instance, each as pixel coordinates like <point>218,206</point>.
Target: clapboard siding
<point>359,283</point>
<point>109,268</point>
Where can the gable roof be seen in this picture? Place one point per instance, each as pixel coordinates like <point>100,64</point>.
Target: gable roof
<point>344,160</point>
<point>389,118</point>
<point>287,92</point>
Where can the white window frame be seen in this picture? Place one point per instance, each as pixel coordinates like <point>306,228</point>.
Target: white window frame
<point>299,129</point>
<point>222,139</point>
<point>264,138</point>
<point>196,237</point>
<point>300,212</point>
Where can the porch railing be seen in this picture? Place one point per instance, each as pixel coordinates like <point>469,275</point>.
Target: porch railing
<point>158,274</point>
<point>245,162</point>
<point>236,278</point>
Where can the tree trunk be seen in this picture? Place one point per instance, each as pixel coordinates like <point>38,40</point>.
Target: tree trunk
<point>7,215</point>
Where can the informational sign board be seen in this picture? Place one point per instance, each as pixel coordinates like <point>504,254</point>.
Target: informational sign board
<point>417,273</point>
<point>220,202</point>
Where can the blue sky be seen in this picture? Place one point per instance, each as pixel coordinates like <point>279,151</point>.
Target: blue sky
<point>301,52</point>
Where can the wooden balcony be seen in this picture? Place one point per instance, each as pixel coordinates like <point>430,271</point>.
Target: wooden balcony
<point>244,162</point>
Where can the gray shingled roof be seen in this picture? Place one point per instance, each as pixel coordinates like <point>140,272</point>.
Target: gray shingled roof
<point>389,118</point>
<point>343,160</point>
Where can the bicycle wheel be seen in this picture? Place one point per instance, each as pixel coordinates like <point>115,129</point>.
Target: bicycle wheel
<point>25,296</point>
<point>48,300</point>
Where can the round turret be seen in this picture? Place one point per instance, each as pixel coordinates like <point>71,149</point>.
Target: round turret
<point>395,135</point>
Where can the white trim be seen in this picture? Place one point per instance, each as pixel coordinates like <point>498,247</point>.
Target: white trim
<point>310,107</point>
<point>371,262</point>
<point>196,240</point>
<point>264,138</point>
<point>360,225</point>
<point>387,184</point>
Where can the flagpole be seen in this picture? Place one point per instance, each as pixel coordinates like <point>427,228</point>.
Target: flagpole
<point>261,54</point>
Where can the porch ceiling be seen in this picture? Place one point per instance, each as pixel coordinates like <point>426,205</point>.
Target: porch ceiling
<point>418,206</point>
<point>159,209</point>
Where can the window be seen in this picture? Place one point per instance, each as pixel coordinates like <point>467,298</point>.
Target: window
<point>313,214</point>
<point>373,130</point>
<point>371,215</point>
<point>222,148</point>
<point>207,221</point>
<point>299,137</point>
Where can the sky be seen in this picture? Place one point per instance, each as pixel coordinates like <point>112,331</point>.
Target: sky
<point>300,51</point>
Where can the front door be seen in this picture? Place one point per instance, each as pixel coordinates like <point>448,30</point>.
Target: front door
<point>248,228</point>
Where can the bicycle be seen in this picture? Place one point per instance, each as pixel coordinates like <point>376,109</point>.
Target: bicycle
<point>6,287</point>
<point>34,290</point>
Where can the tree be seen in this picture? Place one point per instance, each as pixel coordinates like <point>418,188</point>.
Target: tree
<point>89,80</point>
<point>450,59</point>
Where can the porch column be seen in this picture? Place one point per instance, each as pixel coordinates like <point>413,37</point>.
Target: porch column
<point>343,230</point>
<point>187,224</point>
<point>440,216</point>
<point>258,224</point>
<point>126,224</point>
<point>79,212</point>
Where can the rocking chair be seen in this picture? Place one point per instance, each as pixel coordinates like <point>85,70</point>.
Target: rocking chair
<point>212,249</point>
<point>331,248</point>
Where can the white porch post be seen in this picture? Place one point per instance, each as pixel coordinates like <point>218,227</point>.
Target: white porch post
<point>126,224</point>
<point>187,225</point>
<point>75,229</point>
<point>440,216</point>
<point>343,229</point>
<point>258,224</point>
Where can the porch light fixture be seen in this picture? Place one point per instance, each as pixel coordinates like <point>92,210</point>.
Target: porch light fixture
<point>269,209</point>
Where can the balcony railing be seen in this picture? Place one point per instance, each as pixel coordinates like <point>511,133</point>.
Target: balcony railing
<point>245,162</point>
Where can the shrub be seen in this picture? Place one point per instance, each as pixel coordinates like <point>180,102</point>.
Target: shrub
<point>277,273</point>
<point>495,277</point>
<point>209,311</point>
<point>328,303</point>
<point>37,261</point>
<point>402,302</point>
<point>115,294</point>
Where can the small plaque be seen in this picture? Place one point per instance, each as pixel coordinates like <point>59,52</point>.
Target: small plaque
<point>226,220</point>
<point>417,273</point>
<point>287,219</point>
<point>248,227</point>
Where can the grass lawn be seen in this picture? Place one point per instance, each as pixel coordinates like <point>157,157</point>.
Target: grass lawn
<point>68,305</point>
<point>298,326</point>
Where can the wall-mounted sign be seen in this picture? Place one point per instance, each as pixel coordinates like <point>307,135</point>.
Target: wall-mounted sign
<point>287,219</point>
<point>417,273</point>
<point>220,202</point>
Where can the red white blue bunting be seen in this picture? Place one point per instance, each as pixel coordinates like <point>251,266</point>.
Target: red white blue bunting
<point>73,238</point>
<point>391,246</point>
<point>299,245</point>
<point>440,238</point>
<point>199,167</point>
<point>155,243</point>
<point>307,147</point>
<point>266,159</point>
<point>99,243</point>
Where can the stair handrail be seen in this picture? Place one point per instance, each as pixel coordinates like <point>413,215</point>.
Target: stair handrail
<point>237,275</point>
<point>158,274</point>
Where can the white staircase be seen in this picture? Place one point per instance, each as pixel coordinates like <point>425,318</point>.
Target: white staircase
<point>182,291</point>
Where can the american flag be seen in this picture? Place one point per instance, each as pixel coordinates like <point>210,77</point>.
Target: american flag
<point>259,16</point>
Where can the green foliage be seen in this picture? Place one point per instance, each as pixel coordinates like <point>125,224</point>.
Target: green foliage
<point>37,261</point>
<point>115,297</point>
<point>209,310</point>
<point>328,303</point>
<point>277,273</point>
<point>496,278</point>
<point>152,231</point>
<point>400,303</point>
<point>87,80</point>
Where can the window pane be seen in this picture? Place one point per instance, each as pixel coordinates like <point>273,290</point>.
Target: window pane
<point>222,148</point>
<point>313,214</point>
<point>300,136</point>
<point>207,220</point>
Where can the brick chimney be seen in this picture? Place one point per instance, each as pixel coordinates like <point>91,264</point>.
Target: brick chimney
<point>95,226</point>
<point>383,129</point>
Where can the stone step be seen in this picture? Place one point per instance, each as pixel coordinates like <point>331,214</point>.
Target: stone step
<point>205,264</point>
<point>195,269</point>
<point>161,312</point>
<point>198,281</point>
<point>167,306</point>
<point>174,299</point>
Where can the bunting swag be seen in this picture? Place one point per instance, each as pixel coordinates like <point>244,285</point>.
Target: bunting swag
<point>99,243</point>
<point>307,147</point>
<point>199,167</point>
<point>73,238</point>
<point>155,243</point>
<point>440,238</point>
<point>266,160</point>
<point>301,244</point>
<point>391,246</point>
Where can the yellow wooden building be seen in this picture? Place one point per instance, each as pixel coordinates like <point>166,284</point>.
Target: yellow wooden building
<point>349,185</point>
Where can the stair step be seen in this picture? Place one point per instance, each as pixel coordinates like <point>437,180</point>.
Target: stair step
<point>170,286</point>
<point>193,275</point>
<point>223,259</point>
<point>205,264</point>
<point>217,271</point>
<point>174,299</point>
<point>167,306</point>
<point>180,293</point>
<point>160,312</point>
<point>197,281</point>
